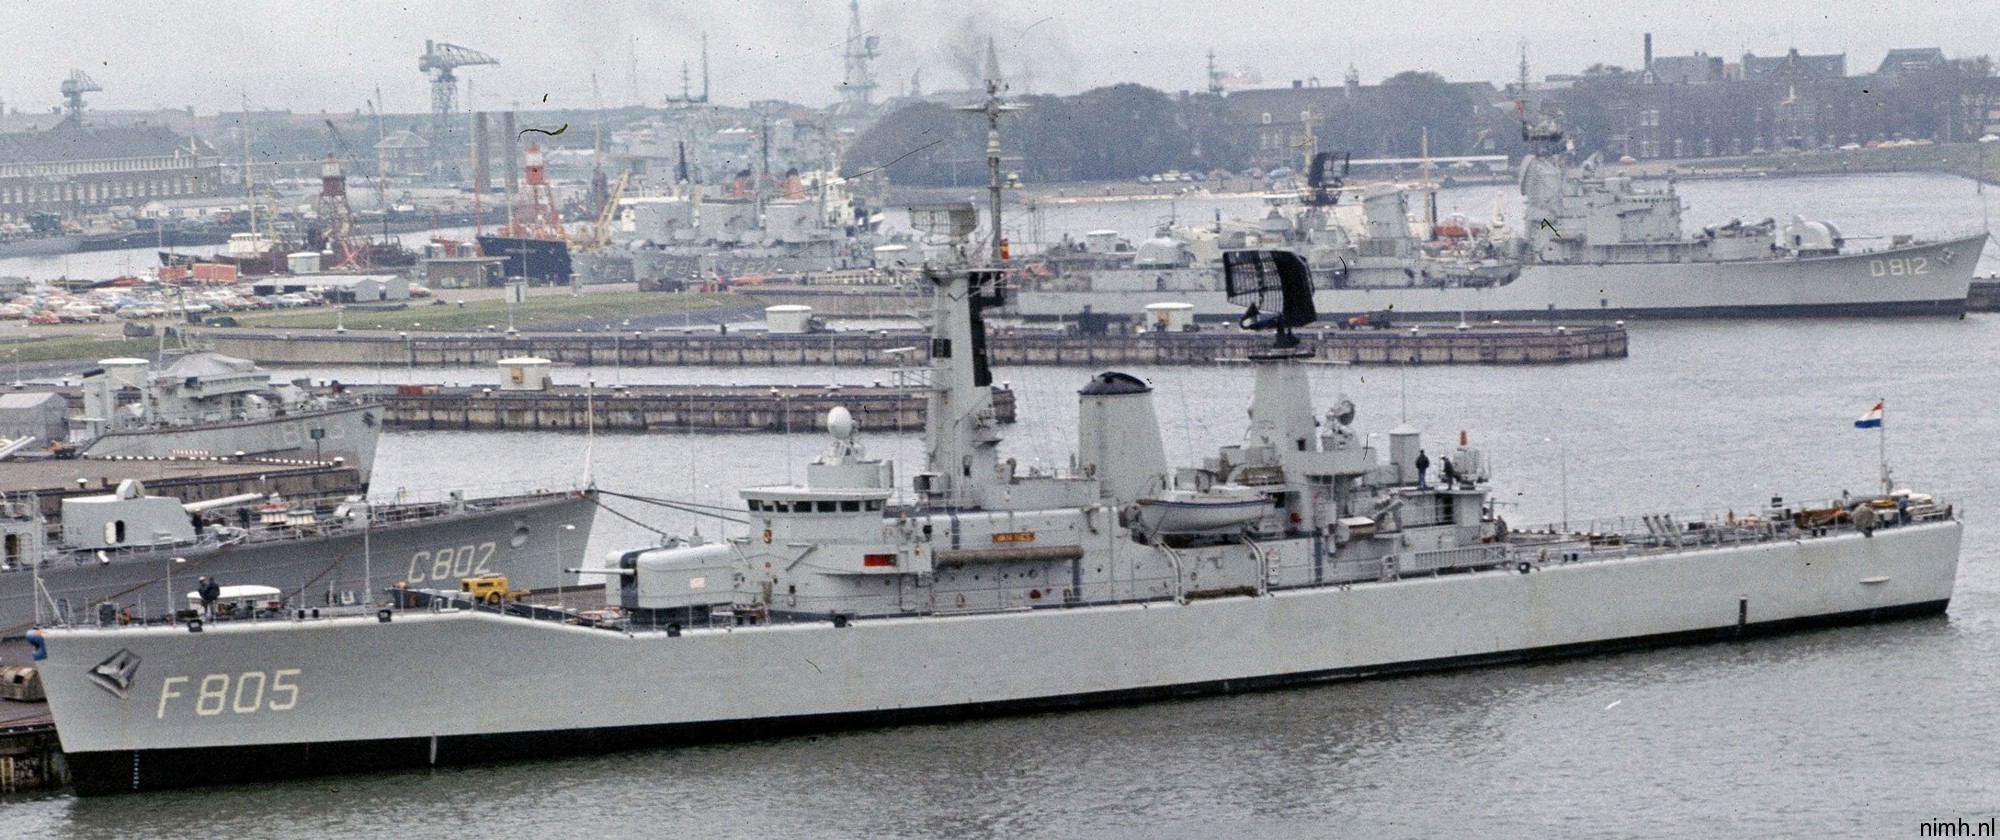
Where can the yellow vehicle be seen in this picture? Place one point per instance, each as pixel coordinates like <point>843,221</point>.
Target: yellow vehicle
<point>491,589</point>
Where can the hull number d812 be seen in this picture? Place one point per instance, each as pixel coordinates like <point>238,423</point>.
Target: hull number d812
<point>1899,266</point>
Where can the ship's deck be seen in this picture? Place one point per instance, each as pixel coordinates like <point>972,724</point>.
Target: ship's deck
<point>60,476</point>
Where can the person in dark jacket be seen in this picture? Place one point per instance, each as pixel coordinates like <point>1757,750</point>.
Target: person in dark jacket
<point>209,591</point>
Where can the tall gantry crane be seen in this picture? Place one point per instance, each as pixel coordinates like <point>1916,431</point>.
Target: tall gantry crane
<point>73,89</point>
<point>857,88</point>
<point>444,60</point>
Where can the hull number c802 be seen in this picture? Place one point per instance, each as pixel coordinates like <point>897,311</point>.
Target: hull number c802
<point>451,563</point>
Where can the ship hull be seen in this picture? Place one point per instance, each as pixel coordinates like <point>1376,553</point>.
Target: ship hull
<point>201,708</point>
<point>40,246</point>
<point>540,260</point>
<point>1927,279</point>
<point>350,433</point>
<point>523,539</point>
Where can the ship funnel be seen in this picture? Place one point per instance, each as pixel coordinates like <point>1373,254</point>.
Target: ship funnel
<point>125,373</point>
<point>1118,437</point>
<point>100,394</point>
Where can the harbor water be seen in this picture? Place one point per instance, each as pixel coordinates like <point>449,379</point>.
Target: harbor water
<point>1861,732</point>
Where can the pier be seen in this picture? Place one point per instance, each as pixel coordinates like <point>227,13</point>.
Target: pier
<point>30,755</point>
<point>1424,345</point>
<point>689,408</point>
<point>1984,296</point>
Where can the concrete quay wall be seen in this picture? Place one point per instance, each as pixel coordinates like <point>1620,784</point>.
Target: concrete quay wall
<point>1424,346</point>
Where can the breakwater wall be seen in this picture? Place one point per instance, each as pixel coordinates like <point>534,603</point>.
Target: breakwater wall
<point>1418,346</point>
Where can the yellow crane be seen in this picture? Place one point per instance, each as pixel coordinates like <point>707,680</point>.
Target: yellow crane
<point>598,236</point>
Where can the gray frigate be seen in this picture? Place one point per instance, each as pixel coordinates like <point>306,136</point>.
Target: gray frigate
<point>1303,553</point>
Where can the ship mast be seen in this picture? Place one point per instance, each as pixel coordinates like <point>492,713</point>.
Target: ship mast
<point>961,432</point>
<point>992,108</point>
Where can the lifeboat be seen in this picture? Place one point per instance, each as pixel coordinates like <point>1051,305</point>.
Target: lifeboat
<point>1193,512</point>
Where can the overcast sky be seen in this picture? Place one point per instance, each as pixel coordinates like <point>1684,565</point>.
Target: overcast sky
<point>333,55</point>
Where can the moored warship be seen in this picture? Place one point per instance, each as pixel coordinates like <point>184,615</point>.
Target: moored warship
<point>119,556</point>
<point>1593,245</point>
<point>1302,554</point>
<point>121,550</point>
<point>207,404</point>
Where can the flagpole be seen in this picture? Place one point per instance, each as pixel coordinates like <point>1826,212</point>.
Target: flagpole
<point>1882,444</point>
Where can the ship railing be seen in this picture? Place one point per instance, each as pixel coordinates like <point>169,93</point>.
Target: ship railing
<point>996,595</point>
<point>93,616</point>
<point>1463,557</point>
<point>500,490</point>
<point>1628,536</point>
<point>318,515</point>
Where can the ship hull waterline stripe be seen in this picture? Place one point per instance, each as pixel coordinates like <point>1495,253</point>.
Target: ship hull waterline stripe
<point>113,772</point>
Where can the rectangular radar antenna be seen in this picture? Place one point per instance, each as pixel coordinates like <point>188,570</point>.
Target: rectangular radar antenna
<point>951,221</point>
<point>1273,287</point>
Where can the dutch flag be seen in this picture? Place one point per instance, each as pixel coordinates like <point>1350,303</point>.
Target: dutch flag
<point>1871,420</point>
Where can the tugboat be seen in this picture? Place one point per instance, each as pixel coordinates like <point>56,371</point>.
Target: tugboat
<point>982,589</point>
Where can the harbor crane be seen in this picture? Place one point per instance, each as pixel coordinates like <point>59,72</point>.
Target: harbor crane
<point>444,60</point>
<point>73,89</point>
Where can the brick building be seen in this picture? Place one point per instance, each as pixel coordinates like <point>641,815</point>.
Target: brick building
<point>75,169</point>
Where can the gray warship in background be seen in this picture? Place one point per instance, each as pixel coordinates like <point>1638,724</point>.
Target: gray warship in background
<point>1594,246</point>
<point>1301,554</point>
<point>118,553</point>
<point>811,226</point>
<point>208,405</point>
<point>130,556</point>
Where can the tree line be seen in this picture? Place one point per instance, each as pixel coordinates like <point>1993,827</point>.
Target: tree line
<point>1129,130</point>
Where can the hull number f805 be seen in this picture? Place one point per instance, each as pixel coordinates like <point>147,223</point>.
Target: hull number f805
<point>241,694</point>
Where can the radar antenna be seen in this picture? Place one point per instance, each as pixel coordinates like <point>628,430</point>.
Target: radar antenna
<point>1323,182</point>
<point>1275,289</point>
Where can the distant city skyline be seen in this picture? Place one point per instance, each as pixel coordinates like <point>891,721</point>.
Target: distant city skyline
<point>219,55</point>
